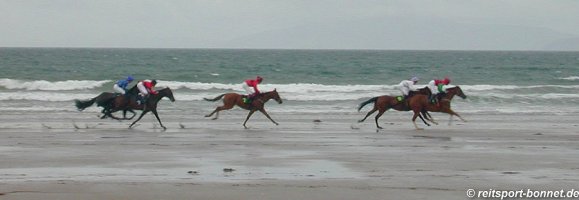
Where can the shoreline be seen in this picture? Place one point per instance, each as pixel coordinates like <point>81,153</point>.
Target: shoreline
<point>46,157</point>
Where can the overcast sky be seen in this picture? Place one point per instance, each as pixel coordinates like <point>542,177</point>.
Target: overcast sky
<point>293,24</point>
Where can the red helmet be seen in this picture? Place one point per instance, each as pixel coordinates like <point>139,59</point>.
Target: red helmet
<point>259,79</point>
<point>446,81</point>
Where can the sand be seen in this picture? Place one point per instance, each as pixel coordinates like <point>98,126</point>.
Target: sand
<point>75,155</point>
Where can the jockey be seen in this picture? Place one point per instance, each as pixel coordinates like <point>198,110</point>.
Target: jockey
<point>121,85</point>
<point>145,88</point>
<point>408,85</point>
<point>437,88</point>
<point>250,86</point>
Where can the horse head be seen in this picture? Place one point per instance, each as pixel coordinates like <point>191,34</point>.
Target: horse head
<point>455,91</point>
<point>274,95</point>
<point>167,92</point>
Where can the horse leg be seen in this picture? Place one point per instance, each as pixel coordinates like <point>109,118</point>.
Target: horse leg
<point>464,120</point>
<point>451,113</point>
<point>134,114</point>
<point>416,114</point>
<point>424,121</point>
<point>104,112</point>
<point>267,115</point>
<point>109,113</point>
<point>248,115</point>
<point>158,119</point>
<point>380,112</point>
<point>142,114</point>
<point>367,115</point>
<point>428,117</point>
<point>216,111</point>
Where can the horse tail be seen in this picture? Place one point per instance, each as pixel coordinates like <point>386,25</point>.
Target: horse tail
<point>372,100</point>
<point>81,105</point>
<point>216,98</point>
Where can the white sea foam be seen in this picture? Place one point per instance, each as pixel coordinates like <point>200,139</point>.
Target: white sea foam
<point>300,88</point>
<point>294,87</point>
<point>513,87</point>
<point>43,96</point>
<point>570,78</point>
<point>51,86</point>
<point>305,97</point>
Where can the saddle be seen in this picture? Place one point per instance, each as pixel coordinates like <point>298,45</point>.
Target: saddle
<point>246,99</point>
<point>435,99</point>
<point>404,101</point>
<point>400,98</point>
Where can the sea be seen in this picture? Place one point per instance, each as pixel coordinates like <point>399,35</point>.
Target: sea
<point>309,81</point>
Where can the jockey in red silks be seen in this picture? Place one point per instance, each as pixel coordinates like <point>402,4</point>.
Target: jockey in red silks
<point>437,88</point>
<point>250,86</point>
<point>146,87</point>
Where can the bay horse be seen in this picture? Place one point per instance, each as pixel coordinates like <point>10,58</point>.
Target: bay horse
<point>422,102</point>
<point>105,101</point>
<point>385,102</point>
<point>232,99</point>
<point>124,102</point>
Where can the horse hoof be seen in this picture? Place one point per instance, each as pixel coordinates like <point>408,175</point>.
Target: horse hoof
<point>360,121</point>
<point>379,127</point>
<point>214,118</point>
<point>207,115</point>
<point>419,129</point>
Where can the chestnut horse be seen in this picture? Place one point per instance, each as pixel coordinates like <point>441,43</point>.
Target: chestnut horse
<point>420,103</point>
<point>385,102</point>
<point>232,99</point>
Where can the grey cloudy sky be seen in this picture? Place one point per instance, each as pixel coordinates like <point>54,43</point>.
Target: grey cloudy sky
<point>293,24</point>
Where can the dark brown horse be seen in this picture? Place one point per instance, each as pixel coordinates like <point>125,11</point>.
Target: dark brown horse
<point>128,102</point>
<point>232,99</point>
<point>420,103</point>
<point>385,102</point>
<point>105,101</point>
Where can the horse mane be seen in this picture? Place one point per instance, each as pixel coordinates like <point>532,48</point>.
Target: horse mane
<point>454,88</point>
<point>134,90</point>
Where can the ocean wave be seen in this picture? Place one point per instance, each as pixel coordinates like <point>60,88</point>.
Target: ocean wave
<point>513,87</point>
<point>570,78</point>
<point>294,87</point>
<point>43,96</point>
<point>546,96</point>
<point>298,88</point>
<point>13,84</point>
<point>291,96</point>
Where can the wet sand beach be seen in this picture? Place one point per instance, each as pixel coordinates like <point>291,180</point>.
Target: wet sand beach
<point>74,155</point>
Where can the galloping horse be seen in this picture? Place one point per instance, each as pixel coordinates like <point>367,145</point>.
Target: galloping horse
<point>122,103</point>
<point>420,103</point>
<point>105,100</point>
<point>232,99</point>
<point>385,102</point>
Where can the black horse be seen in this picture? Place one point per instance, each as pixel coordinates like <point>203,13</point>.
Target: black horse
<point>125,103</point>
